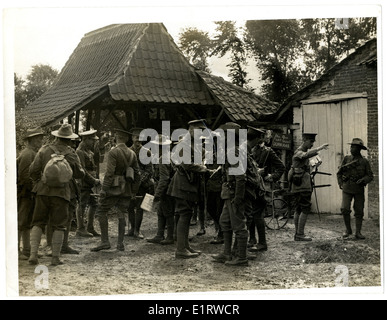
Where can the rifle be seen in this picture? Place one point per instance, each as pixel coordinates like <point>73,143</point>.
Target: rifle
<point>318,186</point>
<point>348,164</point>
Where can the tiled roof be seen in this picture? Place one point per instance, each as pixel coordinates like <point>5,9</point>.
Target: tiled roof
<point>158,72</point>
<point>139,63</point>
<point>238,103</point>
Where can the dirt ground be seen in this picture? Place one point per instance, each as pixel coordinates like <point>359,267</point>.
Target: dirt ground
<point>145,268</point>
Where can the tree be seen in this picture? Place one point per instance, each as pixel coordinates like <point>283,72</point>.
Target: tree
<point>327,41</point>
<point>196,46</point>
<point>39,80</point>
<point>20,93</point>
<point>228,40</point>
<point>276,46</point>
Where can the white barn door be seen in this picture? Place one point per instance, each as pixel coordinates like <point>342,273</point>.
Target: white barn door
<point>336,123</point>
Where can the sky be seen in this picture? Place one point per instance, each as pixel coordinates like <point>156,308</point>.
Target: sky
<point>45,36</point>
<point>49,34</point>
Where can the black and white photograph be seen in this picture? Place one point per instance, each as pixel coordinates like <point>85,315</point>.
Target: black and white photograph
<point>215,151</point>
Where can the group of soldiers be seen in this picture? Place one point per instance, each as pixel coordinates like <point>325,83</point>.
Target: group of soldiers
<point>180,192</point>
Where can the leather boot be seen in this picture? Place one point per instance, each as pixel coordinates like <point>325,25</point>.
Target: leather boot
<point>181,233</point>
<point>347,222</point>
<point>81,230</point>
<point>261,230</point>
<point>25,235</point>
<point>226,254</point>
<point>187,245</point>
<point>132,221</point>
<point>201,216</point>
<point>359,223</point>
<point>49,234</point>
<point>90,222</point>
<point>241,258</point>
<point>161,222</point>
<point>57,241</point>
<point>296,220</point>
<point>139,216</point>
<point>104,244</point>
<point>300,236</point>
<point>170,221</point>
<point>121,234</point>
<point>35,237</point>
<point>66,249</point>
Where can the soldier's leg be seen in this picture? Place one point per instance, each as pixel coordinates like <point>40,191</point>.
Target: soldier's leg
<point>161,223</point>
<point>59,212</point>
<point>131,217</point>
<point>214,208</point>
<point>169,214</point>
<point>183,209</point>
<point>202,218</point>
<point>138,219</point>
<point>39,221</point>
<point>346,212</point>
<point>259,220</point>
<point>105,204</point>
<point>225,224</point>
<point>122,204</point>
<point>81,212</point>
<point>239,226</point>
<point>25,212</point>
<point>91,216</point>
<point>358,207</point>
<point>66,249</point>
<point>305,205</point>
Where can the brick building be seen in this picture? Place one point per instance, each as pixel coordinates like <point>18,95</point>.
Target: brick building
<point>339,106</point>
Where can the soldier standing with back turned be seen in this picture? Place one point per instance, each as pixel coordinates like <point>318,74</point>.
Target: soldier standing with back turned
<point>52,203</point>
<point>353,175</point>
<point>25,199</point>
<point>117,189</point>
<point>135,211</point>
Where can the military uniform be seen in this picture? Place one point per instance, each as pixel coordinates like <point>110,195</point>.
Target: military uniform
<point>353,175</point>
<point>215,201</point>
<point>273,167</point>
<point>163,174</point>
<point>301,184</point>
<point>24,188</point>
<point>184,187</point>
<point>233,218</point>
<point>52,203</point>
<point>25,197</point>
<point>90,180</point>
<point>135,212</point>
<point>118,159</point>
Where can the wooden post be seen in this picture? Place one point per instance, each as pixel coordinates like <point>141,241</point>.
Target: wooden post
<point>77,113</point>
<point>88,120</point>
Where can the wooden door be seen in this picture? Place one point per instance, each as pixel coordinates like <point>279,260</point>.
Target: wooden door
<point>336,123</point>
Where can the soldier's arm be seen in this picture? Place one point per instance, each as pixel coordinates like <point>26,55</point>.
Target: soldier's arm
<point>369,174</point>
<point>137,173</point>
<point>88,178</point>
<point>340,172</point>
<point>23,169</point>
<point>148,170</point>
<point>164,180</point>
<point>306,154</point>
<point>277,167</point>
<point>36,167</point>
<point>75,163</point>
<point>111,164</point>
